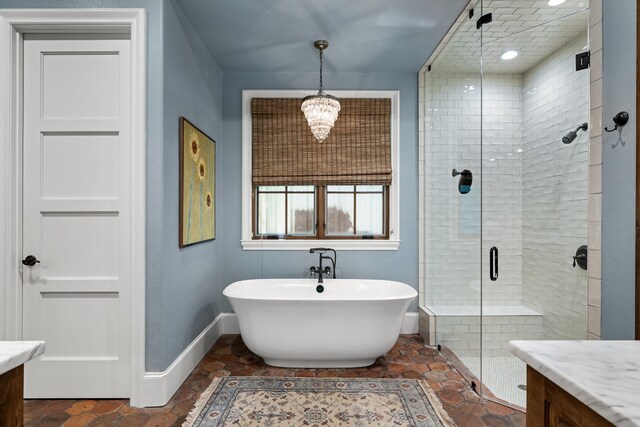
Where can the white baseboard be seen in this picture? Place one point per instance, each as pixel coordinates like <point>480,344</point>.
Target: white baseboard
<point>410,323</point>
<point>159,387</point>
<point>231,325</point>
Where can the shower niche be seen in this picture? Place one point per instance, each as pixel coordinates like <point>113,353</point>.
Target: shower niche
<point>503,100</point>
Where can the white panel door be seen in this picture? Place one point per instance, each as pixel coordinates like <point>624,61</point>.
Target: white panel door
<point>76,216</point>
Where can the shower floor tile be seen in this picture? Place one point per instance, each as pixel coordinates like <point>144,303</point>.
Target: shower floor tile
<point>409,358</point>
<point>502,376</point>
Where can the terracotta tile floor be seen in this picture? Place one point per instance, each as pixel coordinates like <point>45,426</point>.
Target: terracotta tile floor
<point>409,358</point>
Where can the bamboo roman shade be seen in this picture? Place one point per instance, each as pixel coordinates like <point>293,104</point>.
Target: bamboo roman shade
<point>285,152</point>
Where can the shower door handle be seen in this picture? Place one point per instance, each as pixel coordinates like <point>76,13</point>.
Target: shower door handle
<point>493,263</point>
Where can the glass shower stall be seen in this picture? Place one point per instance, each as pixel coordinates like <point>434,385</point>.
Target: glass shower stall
<point>504,177</point>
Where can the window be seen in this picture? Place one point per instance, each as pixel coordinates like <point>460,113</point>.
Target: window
<point>356,211</point>
<point>340,212</point>
<point>285,210</point>
<point>297,191</point>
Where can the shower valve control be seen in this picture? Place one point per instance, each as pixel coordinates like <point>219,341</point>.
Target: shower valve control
<point>581,257</point>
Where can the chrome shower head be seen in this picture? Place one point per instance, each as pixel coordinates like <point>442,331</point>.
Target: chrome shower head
<point>568,138</point>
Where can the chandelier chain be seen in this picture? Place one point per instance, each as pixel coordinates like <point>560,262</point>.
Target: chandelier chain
<point>321,89</point>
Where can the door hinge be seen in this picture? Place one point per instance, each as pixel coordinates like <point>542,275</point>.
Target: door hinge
<point>484,19</point>
<point>583,60</point>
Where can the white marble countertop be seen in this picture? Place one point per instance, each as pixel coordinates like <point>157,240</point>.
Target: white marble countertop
<point>16,353</point>
<point>604,375</point>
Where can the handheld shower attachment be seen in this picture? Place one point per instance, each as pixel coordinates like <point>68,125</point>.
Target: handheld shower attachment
<point>568,138</point>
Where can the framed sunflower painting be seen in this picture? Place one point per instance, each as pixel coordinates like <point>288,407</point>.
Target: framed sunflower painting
<point>197,185</point>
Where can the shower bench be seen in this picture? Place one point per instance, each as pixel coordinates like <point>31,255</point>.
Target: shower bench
<point>458,327</point>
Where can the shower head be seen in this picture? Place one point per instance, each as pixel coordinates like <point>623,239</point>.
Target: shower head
<point>568,138</point>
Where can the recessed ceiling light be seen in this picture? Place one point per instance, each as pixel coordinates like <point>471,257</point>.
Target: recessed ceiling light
<point>555,2</point>
<point>510,54</point>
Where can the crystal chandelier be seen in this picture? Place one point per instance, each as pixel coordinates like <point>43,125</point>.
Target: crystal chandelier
<point>321,110</point>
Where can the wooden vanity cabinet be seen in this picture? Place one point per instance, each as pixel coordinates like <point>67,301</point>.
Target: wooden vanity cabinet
<point>11,397</point>
<point>549,405</point>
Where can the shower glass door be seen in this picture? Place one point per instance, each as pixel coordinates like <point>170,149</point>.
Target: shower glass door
<point>534,186</point>
<point>453,188</point>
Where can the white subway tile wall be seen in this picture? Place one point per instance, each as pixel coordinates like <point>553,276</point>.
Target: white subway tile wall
<point>452,250</point>
<point>556,101</point>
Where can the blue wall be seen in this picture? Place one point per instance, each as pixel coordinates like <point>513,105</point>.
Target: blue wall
<point>618,175</point>
<point>401,265</point>
<point>180,297</point>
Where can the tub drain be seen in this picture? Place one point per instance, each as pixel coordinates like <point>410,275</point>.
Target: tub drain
<point>522,386</point>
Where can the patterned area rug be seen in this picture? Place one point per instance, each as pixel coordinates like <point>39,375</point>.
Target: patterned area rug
<point>344,402</point>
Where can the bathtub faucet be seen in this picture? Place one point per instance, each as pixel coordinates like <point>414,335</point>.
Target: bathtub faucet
<point>318,270</point>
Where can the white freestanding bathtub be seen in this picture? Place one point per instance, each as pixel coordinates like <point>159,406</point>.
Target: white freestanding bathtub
<point>289,324</point>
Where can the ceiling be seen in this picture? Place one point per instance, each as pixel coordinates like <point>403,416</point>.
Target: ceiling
<point>365,36</point>
<point>532,28</point>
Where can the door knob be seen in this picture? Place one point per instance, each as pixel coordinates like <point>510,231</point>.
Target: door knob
<point>30,261</point>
